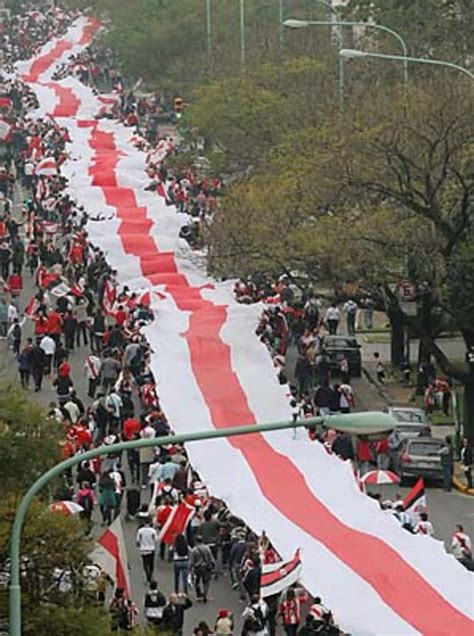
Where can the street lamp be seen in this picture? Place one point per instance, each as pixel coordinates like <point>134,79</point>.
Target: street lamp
<point>301,24</point>
<point>324,3</point>
<point>365,423</point>
<point>355,53</point>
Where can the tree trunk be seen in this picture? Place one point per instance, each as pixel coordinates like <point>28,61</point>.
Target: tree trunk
<point>469,409</point>
<point>397,338</point>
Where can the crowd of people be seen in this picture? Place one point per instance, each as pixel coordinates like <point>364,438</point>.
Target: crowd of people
<point>78,310</point>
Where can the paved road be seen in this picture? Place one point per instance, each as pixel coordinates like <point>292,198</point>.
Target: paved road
<point>446,509</point>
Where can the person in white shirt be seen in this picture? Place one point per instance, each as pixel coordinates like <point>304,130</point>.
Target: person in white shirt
<point>461,545</point>
<point>332,318</point>
<point>350,309</point>
<point>424,526</point>
<point>49,347</point>
<point>146,540</point>
<point>92,368</point>
<point>346,400</point>
<point>12,313</point>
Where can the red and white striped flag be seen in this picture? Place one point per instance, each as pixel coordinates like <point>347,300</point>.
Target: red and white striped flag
<point>31,307</point>
<point>176,522</point>
<point>276,577</point>
<point>110,554</point>
<point>47,167</point>
<point>415,501</point>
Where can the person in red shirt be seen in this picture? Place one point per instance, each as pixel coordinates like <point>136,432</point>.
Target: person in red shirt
<point>290,610</point>
<point>364,455</point>
<point>131,427</point>
<point>64,369</point>
<point>15,283</point>
<point>120,316</point>
<point>55,323</point>
<point>383,454</point>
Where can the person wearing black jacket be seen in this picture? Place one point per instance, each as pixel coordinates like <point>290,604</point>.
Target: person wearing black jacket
<point>467,461</point>
<point>173,614</point>
<point>154,604</point>
<point>37,362</point>
<point>70,327</point>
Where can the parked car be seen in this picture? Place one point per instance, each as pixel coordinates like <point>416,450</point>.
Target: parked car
<point>338,346</point>
<point>419,457</point>
<point>411,422</point>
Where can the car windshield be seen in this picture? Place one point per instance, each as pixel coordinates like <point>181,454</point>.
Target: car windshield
<point>409,416</point>
<point>340,343</point>
<point>422,448</point>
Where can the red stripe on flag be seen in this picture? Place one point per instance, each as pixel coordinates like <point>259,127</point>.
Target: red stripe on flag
<point>176,523</point>
<point>405,591</point>
<point>109,541</point>
<point>415,493</point>
<point>283,570</point>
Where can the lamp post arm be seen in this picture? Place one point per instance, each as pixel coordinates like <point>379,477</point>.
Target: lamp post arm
<point>420,60</point>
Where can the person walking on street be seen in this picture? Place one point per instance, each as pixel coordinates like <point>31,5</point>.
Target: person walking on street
<point>181,563</point>
<point>173,614</point>
<point>447,463</point>
<point>255,617</point>
<point>37,365</point>
<point>92,369</point>
<point>467,461</point>
<point>146,540</point>
<point>24,364</point>
<point>350,309</point>
<point>424,526</point>
<point>201,565</point>
<point>154,605</point>
<point>332,318</point>
<point>3,318</point>
<point>461,547</point>
<point>49,347</point>
<point>107,499</point>
<point>290,610</point>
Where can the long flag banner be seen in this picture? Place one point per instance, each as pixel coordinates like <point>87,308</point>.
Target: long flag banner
<point>214,373</point>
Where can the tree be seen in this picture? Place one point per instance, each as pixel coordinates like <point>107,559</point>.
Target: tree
<point>53,547</point>
<point>433,28</point>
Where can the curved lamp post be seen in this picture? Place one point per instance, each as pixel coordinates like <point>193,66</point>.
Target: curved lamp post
<point>355,53</point>
<point>293,23</point>
<point>369,419</point>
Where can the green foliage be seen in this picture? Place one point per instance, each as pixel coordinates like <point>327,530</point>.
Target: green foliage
<point>51,543</point>
<point>434,28</point>
<point>29,441</point>
<point>67,621</point>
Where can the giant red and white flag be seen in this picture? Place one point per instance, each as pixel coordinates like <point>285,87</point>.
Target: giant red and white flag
<point>110,554</point>
<point>276,577</point>
<point>176,523</point>
<point>210,365</point>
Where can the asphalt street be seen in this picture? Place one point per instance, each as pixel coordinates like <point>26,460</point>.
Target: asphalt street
<point>445,509</point>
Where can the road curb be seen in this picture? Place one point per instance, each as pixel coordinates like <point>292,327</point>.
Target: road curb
<point>462,488</point>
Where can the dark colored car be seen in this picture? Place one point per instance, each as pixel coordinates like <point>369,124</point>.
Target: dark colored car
<point>419,457</point>
<point>338,346</point>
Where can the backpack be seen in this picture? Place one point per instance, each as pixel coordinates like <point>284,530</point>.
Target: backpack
<point>259,619</point>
